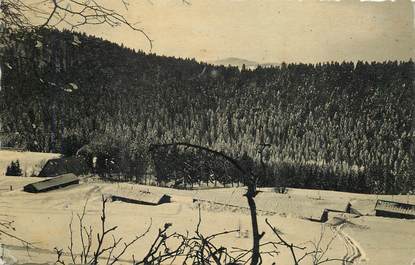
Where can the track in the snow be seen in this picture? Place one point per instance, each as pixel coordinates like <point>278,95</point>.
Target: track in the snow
<point>353,250</point>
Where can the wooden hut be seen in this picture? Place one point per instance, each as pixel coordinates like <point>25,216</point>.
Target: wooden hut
<point>52,184</point>
<point>60,166</point>
<point>395,209</point>
<point>141,197</point>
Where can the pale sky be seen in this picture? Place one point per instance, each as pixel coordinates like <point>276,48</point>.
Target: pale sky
<point>270,30</point>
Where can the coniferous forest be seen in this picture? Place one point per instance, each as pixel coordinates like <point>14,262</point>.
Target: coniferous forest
<point>333,125</point>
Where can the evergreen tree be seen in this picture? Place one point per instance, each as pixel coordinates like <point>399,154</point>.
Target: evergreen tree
<point>14,169</point>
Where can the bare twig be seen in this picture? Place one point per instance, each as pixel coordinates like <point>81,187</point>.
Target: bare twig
<point>250,181</point>
<point>112,253</point>
<point>18,14</point>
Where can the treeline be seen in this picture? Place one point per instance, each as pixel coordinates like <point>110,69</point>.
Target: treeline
<point>343,126</point>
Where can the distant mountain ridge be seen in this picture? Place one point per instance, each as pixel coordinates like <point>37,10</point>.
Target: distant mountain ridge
<point>235,61</point>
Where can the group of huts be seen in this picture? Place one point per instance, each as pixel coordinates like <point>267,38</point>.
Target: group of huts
<point>383,208</point>
<point>63,172</point>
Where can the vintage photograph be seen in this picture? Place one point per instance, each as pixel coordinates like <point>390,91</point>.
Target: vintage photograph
<point>207,132</point>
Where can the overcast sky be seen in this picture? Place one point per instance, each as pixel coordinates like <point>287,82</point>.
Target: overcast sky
<point>270,30</point>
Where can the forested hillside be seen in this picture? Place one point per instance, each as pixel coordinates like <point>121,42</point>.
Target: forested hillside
<point>344,126</point>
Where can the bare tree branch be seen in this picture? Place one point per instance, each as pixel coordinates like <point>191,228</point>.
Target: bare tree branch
<point>250,181</point>
<point>112,253</point>
<point>20,15</point>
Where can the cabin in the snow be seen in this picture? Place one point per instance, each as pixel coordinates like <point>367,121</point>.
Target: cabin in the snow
<point>52,184</point>
<point>141,197</point>
<point>59,166</point>
<point>395,209</point>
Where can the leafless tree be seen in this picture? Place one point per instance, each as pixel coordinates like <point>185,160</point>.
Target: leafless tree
<point>160,251</point>
<point>7,229</point>
<point>71,14</point>
<point>106,246</point>
<point>195,248</point>
<point>202,250</point>
<point>192,249</point>
<point>166,247</point>
<point>250,180</point>
<point>317,250</point>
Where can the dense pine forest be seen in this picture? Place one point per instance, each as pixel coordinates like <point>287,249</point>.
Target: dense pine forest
<point>336,125</point>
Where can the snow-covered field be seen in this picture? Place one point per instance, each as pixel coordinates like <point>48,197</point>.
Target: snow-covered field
<point>44,218</point>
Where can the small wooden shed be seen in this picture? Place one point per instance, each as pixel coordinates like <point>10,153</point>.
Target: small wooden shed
<point>59,166</point>
<point>52,184</point>
<point>395,209</point>
<point>325,215</point>
<point>142,197</point>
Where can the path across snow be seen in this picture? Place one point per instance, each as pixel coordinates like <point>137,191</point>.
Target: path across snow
<point>354,252</point>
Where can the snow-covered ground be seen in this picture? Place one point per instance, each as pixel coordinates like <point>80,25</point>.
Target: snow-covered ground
<point>44,220</point>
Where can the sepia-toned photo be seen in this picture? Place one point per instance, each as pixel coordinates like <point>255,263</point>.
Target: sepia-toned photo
<point>207,132</point>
